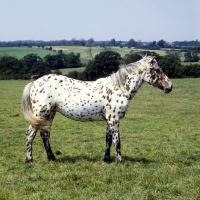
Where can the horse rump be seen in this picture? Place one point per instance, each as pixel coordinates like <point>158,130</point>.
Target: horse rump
<point>40,123</point>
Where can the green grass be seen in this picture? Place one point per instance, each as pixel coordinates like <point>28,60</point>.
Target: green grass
<point>160,146</point>
<point>20,52</point>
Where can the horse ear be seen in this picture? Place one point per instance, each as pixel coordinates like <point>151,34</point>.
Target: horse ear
<point>152,59</point>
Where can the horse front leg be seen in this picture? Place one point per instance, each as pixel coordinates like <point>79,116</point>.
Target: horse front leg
<point>45,138</point>
<point>117,144</point>
<point>112,135</point>
<point>30,135</point>
<point>116,141</point>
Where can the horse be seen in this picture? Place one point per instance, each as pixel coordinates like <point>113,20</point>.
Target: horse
<point>106,99</point>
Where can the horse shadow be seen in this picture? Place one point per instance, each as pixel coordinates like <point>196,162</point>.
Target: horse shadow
<point>138,160</point>
<point>74,159</point>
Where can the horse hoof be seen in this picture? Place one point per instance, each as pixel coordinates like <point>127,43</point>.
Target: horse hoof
<point>107,159</point>
<point>53,158</point>
<point>120,161</point>
<point>28,160</point>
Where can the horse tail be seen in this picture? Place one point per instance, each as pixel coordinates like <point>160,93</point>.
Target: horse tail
<point>41,124</point>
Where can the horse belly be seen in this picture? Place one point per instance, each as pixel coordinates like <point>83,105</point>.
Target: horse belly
<point>82,112</point>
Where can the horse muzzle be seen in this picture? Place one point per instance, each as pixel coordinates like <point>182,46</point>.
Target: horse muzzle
<point>167,89</point>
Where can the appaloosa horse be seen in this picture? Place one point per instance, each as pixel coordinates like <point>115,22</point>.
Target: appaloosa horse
<point>104,99</point>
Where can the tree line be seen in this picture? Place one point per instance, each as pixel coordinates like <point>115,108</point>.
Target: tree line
<point>102,65</point>
<point>33,66</point>
<point>91,42</point>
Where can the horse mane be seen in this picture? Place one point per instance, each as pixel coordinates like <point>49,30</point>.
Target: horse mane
<point>118,78</point>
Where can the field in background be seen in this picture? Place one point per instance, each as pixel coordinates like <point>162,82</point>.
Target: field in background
<point>67,70</point>
<point>20,52</point>
<point>96,50</point>
<point>160,146</point>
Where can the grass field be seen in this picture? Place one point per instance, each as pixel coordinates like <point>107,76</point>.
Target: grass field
<point>160,137</point>
<point>20,52</point>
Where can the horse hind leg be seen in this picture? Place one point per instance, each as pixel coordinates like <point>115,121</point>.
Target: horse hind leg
<point>30,135</point>
<point>45,135</point>
<point>45,138</point>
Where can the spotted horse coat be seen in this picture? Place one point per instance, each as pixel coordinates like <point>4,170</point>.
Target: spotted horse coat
<point>105,99</point>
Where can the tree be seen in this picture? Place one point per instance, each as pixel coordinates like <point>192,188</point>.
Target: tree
<point>104,64</point>
<point>134,57</point>
<point>51,61</point>
<point>60,51</point>
<point>161,43</point>
<point>112,42</point>
<point>72,60</point>
<point>172,67</point>
<point>106,47</point>
<point>29,60</point>
<point>90,42</point>
<point>89,52</point>
<point>39,69</point>
<point>74,41</point>
<point>8,67</point>
<point>130,58</point>
<point>59,62</point>
<point>82,42</point>
<point>119,43</point>
<point>191,56</point>
<point>12,68</point>
<point>174,54</point>
<point>191,71</point>
<point>152,44</point>
<point>132,43</point>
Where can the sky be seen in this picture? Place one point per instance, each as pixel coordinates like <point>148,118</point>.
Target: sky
<point>145,20</point>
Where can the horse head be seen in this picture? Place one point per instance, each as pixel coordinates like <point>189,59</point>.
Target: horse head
<point>155,76</point>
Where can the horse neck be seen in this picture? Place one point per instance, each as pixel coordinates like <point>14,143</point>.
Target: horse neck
<point>133,82</point>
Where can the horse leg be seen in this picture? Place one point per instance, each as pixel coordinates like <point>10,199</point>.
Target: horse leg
<point>108,145</point>
<point>45,138</point>
<point>112,135</point>
<point>45,134</point>
<point>116,141</point>
<point>30,135</point>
